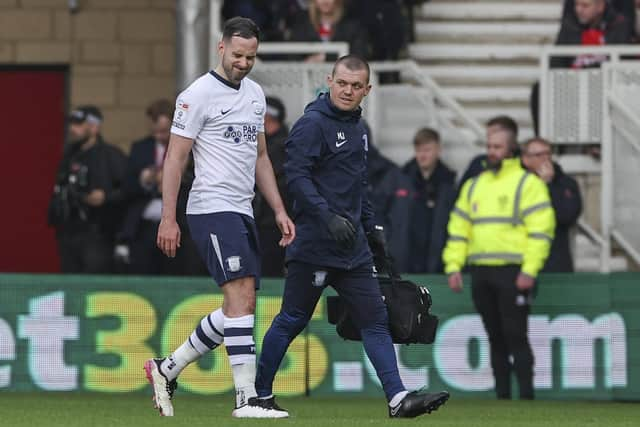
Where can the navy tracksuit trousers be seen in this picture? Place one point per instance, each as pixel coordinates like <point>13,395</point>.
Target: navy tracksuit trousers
<point>360,291</point>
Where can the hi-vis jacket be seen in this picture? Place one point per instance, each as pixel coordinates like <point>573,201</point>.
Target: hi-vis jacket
<point>501,218</point>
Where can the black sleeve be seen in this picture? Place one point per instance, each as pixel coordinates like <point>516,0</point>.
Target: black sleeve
<point>566,200</point>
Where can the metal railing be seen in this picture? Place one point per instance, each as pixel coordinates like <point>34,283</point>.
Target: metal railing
<point>577,84</point>
<point>620,155</point>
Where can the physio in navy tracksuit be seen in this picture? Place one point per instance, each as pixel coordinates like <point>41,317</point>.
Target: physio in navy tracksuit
<point>327,180</point>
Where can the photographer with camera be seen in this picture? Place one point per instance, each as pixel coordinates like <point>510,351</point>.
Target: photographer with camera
<point>87,196</point>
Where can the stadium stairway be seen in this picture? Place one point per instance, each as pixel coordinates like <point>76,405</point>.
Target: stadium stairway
<point>485,52</point>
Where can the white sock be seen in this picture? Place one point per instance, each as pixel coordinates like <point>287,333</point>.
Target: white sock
<point>178,360</point>
<point>398,398</point>
<point>244,377</point>
<point>203,339</point>
<point>241,348</point>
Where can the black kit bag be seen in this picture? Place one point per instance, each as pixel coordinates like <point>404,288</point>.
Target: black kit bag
<point>408,307</point>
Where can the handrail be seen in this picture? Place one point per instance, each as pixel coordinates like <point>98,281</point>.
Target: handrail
<point>411,67</point>
<point>624,243</point>
<point>629,115</point>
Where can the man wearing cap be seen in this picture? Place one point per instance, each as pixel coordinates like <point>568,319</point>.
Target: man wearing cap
<point>87,196</point>
<point>276,132</point>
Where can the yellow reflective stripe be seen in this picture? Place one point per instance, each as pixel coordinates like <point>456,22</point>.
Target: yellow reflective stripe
<point>541,236</point>
<point>462,214</point>
<point>516,200</point>
<point>504,256</point>
<point>537,207</point>
<point>458,239</point>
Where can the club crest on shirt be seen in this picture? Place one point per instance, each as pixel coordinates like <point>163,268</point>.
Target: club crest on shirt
<point>319,278</point>
<point>233,264</point>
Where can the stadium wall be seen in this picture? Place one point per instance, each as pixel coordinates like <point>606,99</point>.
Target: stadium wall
<point>121,53</point>
<point>81,333</point>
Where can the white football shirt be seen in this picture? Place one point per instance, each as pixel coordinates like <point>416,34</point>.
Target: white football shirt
<point>224,122</point>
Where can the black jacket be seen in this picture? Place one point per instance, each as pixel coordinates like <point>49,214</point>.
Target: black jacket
<point>326,175</point>
<point>432,200</point>
<point>389,193</point>
<point>346,30</point>
<point>567,203</point>
<point>262,212</point>
<point>102,166</point>
<point>143,155</point>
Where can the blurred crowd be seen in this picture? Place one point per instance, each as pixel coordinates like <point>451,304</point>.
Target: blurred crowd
<point>106,206</point>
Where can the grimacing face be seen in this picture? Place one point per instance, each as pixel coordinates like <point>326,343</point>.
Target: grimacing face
<point>237,57</point>
<point>348,87</point>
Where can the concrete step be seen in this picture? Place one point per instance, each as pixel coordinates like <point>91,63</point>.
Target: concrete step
<point>448,74</point>
<point>490,10</point>
<point>483,113</point>
<point>487,94</point>
<point>475,51</point>
<point>531,32</point>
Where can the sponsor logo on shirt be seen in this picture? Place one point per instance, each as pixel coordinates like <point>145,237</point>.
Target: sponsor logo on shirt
<point>243,133</point>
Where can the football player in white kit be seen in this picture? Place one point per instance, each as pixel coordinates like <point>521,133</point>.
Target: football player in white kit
<point>220,117</point>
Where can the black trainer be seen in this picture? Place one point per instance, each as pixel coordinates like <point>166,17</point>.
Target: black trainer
<point>269,403</point>
<point>415,404</point>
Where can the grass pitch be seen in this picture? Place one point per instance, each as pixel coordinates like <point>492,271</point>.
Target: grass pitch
<point>82,410</point>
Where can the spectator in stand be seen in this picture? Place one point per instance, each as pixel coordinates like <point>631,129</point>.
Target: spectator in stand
<point>137,239</point>
<point>432,197</point>
<point>593,22</point>
<point>389,191</point>
<point>276,132</point>
<point>625,7</point>
<point>385,24</point>
<point>565,199</point>
<point>325,21</point>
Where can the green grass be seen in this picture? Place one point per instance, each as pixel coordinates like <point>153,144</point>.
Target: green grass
<point>83,410</point>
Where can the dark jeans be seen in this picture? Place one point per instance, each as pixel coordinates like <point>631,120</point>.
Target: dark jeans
<point>86,251</point>
<point>505,314</point>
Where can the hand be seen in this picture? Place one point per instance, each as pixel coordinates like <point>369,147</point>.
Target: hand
<point>342,231</point>
<point>95,198</point>
<point>148,177</point>
<point>546,172</point>
<point>287,228</point>
<point>168,237</point>
<point>378,244</point>
<point>455,281</point>
<point>525,282</point>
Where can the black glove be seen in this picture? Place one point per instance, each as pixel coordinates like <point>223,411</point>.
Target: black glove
<point>378,245</point>
<point>342,231</point>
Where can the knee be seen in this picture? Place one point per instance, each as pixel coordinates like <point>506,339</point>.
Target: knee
<point>291,322</point>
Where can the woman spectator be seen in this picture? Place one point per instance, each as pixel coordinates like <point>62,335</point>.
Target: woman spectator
<point>325,21</point>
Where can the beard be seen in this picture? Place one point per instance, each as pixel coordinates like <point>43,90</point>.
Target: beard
<point>494,164</point>
<point>234,75</point>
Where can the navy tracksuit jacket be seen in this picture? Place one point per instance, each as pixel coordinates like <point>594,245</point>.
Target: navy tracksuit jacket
<point>326,173</point>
